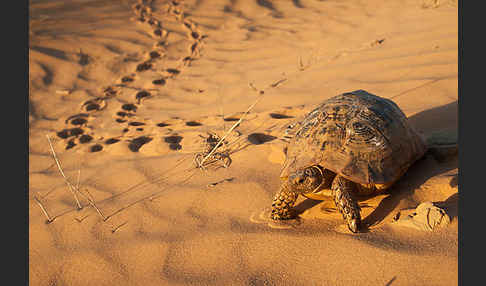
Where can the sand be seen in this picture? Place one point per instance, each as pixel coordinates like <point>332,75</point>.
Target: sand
<point>127,93</point>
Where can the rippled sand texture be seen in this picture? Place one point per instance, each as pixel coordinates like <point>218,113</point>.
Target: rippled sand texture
<point>127,92</point>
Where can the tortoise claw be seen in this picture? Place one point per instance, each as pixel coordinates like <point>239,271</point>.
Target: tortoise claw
<point>354,225</point>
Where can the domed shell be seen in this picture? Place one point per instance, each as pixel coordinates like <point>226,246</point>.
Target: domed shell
<point>365,138</point>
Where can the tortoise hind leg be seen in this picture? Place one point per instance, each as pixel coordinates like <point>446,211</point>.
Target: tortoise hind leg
<point>342,192</point>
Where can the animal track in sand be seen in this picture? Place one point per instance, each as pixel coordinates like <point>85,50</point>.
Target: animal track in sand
<point>138,142</point>
<point>174,141</point>
<point>193,123</point>
<point>65,133</point>
<point>110,92</point>
<point>144,66</point>
<point>173,72</point>
<point>231,119</point>
<point>76,134</point>
<point>96,148</point>
<point>260,138</point>
<point>280,116</point>
<point>85,138</point>
<point>136,123</point>
<point>124,114</point>
<point>141,95</point>
<point>94,105</point>
<point>154,55</point>
<point>128,110</point>
<point>162,124</point>
<point>70,144</point>
<point>127,79</point>
<point>77,119</point>
<point>111,141</point>
<point>129,107</point>
<point>159,81</point>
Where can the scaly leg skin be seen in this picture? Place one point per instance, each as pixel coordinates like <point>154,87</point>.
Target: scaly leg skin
<point>342,190</point>
<point>283,202</point>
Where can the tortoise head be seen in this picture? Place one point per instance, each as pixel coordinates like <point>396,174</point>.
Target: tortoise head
<point>306,180</point>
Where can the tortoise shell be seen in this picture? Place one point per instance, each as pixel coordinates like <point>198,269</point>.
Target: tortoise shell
<point>360,136</point>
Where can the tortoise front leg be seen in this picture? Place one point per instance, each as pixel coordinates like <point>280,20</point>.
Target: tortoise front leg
<point>283,202</point>
<point>342,192</point>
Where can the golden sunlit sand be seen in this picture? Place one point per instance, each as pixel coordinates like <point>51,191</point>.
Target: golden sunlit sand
<point>128,92</point>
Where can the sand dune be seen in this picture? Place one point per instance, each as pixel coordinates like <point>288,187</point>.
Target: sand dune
<point>128,91</point>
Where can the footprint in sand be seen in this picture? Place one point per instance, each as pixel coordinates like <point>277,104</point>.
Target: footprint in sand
<point>96,148</point>
<point>171,72</point>
<point>144,66</point>
<point>163,124</point>
<point>127,79</point>
<point>93,105</point>
<point>160,81</point>
<point>77,133</point>
<point>77,119</point>
<point>85,138</point>
<point>141,95</point>
<point>263,217</point>
<point>193,123</point>
<point>65,133</point>
<point>135,144</point>
<point>111,141</point>
<point>280,116</point>
<point>130,107</point>
<point>155,55</point>
<point>260,138</point>
<point>174,141</point>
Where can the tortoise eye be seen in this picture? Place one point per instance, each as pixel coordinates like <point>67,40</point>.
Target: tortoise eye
<point>308,172</point>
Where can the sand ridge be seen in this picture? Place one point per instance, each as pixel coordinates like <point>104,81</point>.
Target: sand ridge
<point>129,90</point>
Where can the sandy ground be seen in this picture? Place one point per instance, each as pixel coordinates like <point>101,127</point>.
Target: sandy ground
<point>127,92</point>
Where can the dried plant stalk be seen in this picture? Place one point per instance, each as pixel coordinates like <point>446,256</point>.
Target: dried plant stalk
<point>92,203</point>
<point>70,186</point>
<point>49,219</point>
<point>228,132</point>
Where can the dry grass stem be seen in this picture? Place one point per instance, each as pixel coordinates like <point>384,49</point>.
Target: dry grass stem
<point>78,180</point>
<point>70,186</point>
<point>229,131</point>
<point>118,227</point>
<point>275,84</point>
<point>301,65</point>
<point>221,140</point>
<point>81,219</point>
<point>92,203</point>
<point>49,219</point>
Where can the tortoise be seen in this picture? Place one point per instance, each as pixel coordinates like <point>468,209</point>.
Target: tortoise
<point>355,143</point>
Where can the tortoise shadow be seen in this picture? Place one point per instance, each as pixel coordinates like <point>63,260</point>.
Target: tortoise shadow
<point>438,118</point>
<point>405,187</point>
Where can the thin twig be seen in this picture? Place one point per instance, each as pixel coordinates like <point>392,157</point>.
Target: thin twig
<point>301,65</point>
<point>92,203</point>
<point>118,227</point>
<point>78,180</point>
<point>49,220</point>
<point>275,84</point>
<point>261,93</point>
<point>70,186</point>
<point>229,131</point>
<point>81,219</point>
